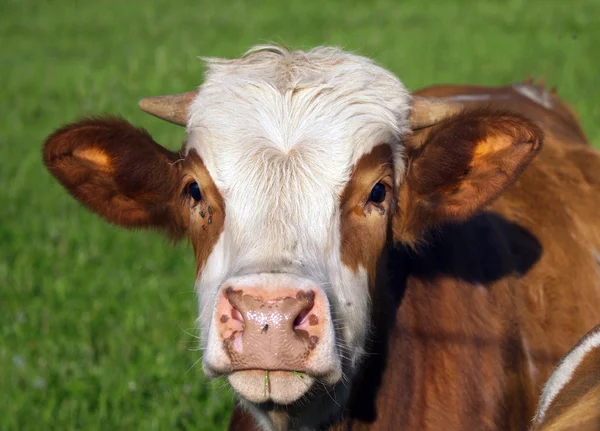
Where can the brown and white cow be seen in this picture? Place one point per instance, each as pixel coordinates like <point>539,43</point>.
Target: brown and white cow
<point>366,258</point>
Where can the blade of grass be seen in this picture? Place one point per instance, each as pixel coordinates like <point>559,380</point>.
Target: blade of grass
<point>299,377</point>
<point>266,382</point>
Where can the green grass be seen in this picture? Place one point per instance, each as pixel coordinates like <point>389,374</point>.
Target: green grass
<point>93,319</point>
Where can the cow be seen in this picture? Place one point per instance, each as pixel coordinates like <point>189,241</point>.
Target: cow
<point>571,397</point>
<point>366,258</point>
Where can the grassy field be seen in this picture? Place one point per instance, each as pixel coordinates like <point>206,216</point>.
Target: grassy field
<point>96,324</point>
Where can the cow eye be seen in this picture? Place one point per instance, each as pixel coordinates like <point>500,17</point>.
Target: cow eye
<point>377,193</point>
<point>194,191</point>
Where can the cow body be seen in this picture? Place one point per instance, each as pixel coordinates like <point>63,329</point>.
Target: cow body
<point>489,306</point>
<point>366,258</point>
<point>479,314</point>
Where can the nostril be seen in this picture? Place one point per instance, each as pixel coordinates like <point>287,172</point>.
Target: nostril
<point>234,298</point>
<point>236,315</point>
<point>302,318</point>
<point>306,302</point>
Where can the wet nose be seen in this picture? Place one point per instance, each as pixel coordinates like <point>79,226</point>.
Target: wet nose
<point>274,329</point>
<point>286,313</point>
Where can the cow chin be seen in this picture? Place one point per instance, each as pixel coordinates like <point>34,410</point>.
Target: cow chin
<point>280,387</point>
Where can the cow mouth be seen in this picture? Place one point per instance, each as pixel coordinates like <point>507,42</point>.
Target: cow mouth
<point>277,386</point>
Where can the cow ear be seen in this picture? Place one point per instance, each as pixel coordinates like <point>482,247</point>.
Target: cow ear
<point>117,171</point>
<point>461,165</point>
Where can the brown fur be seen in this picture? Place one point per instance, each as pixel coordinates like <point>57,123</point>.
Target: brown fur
<point>207,217</point>
<point>119,172</point>
<point>577,405</point>
<point>561,121</point>
<point>364,225</point>
<point>242,420</point>
<point>583,416</point>
<point>483,309</point>
<point>463,164</point>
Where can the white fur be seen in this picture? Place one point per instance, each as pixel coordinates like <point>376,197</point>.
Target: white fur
<point>530,362</point>
<point>564,371</point>
<point>539,96</point>
<point>280,132</point>
<point>473,97</point>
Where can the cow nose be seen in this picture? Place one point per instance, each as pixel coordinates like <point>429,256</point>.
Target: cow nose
<point>286,312</point>
<point>274,329</point>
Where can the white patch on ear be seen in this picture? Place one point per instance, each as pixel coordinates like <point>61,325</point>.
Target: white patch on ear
<point>564,371</point>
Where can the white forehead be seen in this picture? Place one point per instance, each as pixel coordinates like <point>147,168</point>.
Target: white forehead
<point>323,100</point>
<point>286,127</point>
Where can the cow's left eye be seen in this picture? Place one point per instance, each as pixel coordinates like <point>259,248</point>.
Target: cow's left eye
<point>377,193</point>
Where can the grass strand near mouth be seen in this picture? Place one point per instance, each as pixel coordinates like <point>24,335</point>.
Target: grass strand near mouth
<point>266,382</point>
<point>299,377</point>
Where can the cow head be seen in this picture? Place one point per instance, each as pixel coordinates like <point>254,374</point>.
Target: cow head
<point>299,171</point>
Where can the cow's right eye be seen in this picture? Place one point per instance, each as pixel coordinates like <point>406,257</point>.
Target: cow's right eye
<point>194,191</point>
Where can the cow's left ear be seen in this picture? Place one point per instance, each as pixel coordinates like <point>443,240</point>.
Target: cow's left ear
<point>461,165</point>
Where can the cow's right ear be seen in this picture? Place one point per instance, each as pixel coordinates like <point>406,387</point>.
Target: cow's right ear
<point>119,172</point>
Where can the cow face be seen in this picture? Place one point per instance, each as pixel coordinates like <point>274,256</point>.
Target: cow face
<point>299,172</point>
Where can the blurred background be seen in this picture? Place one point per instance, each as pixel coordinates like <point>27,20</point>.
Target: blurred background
<point>97,323</point>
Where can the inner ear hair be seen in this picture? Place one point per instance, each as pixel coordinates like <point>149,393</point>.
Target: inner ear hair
<point>459,166</point>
